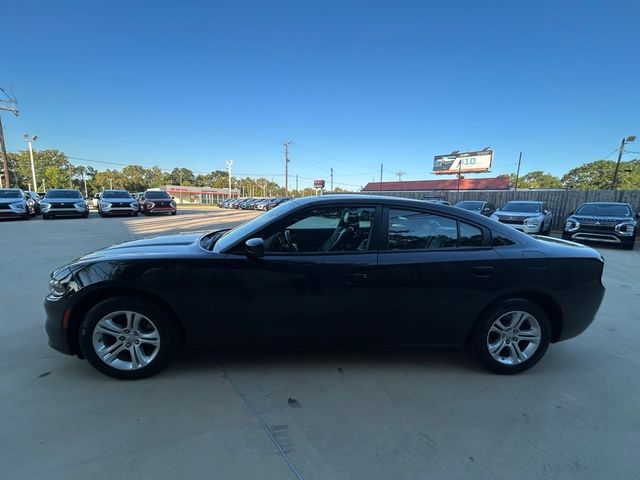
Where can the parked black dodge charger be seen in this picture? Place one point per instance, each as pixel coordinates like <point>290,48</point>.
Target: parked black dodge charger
<point>330,270</point>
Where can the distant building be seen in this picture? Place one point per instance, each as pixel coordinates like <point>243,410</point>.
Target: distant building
<point>497,183</point>
<point>198,195</point>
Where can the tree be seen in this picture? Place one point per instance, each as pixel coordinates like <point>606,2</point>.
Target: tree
<point>598,175</point>
<point>52,166</point>
<point>134,178</point>
<point>536,179</point>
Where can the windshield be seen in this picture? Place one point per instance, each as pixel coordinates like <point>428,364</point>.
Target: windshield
<point>63,194</point>
<point>521,207</point>
<point>477,206</point>
<point>604,210</point>
<point>257,223</point>
<point>116,194</point>
<point>9,194</point>
<point>157,194</point>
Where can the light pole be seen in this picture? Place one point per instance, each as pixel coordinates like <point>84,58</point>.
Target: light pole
<point>30,139</point>
<point>229,165</point>
<point>629,139</point>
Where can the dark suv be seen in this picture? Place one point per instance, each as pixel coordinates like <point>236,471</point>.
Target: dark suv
<point>607,222</point>
<point>158,201</point>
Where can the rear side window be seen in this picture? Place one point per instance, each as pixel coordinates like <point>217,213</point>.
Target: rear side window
<point>409,230</point>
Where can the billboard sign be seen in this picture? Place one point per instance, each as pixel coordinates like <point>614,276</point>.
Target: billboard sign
<point>318,183</point>
<point>463,162</point>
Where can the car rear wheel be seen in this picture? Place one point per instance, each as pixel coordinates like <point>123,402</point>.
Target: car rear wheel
<point>512,337</point>
<point>127,338</point>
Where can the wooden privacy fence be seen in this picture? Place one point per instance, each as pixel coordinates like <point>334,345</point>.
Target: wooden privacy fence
<point>561,202</point>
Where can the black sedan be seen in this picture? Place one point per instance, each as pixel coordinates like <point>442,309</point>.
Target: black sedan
<point>332,270</point>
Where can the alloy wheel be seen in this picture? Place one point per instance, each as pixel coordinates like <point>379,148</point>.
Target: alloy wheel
<point>513,337</point>
<point>126,340</point>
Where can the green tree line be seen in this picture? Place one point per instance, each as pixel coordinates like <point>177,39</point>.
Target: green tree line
<point>55,170</point>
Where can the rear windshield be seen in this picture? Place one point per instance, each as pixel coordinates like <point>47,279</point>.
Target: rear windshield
<point>116,194</point>
<point>470,205</point>
<point>521,207</point>
<point>157,194</point>
<point>63,194</point>
<point>9,194</point>
<point>605,210</point>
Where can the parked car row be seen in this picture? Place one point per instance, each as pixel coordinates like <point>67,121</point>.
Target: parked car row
<point>250,203</point>
<point>606,222</point>
<point>15,202</point>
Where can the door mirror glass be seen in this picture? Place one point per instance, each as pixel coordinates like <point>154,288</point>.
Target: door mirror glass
<point>254,247</point>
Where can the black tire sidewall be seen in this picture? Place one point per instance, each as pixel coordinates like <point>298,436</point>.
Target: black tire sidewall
<point>161,321</point>
<point>478,341</point>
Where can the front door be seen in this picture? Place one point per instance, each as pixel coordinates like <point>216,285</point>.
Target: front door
<point>312,287</point>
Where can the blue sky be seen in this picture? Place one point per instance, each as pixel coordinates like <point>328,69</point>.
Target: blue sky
<point>352,83</point>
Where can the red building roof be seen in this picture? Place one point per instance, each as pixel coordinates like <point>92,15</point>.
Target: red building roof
<point>497,183</point>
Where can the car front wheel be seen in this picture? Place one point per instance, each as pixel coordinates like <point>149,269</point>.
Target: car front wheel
<point>512,337</point>
<point>127,338</point>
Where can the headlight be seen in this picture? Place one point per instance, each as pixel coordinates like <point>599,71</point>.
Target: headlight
<point>134,204</point>
<point>18,205</point>
<point>173,204</point>
<point>44,205</point>
<point>532,221</point>
<point>571,225</point>
<point>149,204</point>
<point>105,204</point>
<point>625,228</point>
<point>80,205</point>
<point>59,281</point>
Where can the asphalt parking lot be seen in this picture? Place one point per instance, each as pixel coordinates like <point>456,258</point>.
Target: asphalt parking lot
<point>318,414</point>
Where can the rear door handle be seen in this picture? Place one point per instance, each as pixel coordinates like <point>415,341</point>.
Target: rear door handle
<point>483,271</point>
<point>357,278</point>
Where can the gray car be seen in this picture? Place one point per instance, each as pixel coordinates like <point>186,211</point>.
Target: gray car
<point>15,203</point>
<point>526,216</point>
<point>117,202</point>
<point>63,203</point>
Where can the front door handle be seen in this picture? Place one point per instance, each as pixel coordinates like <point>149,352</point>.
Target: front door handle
<point>357,278</point>
<point>484,271</point>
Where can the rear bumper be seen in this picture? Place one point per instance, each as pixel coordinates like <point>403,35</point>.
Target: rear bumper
<point>580,306</point>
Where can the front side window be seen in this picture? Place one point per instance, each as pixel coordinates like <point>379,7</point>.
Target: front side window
<point>409,230</point>
<point>325,229</point>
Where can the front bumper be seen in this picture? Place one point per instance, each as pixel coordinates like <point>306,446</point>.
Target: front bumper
<point>12,213</point>
<point>526,228</point>
<point>66,211</point>
<point>600,237</point>
<point>118,210</point>
<point>55,327</point>
<point>159,210</point>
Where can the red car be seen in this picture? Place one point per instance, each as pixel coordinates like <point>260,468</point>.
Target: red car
<point>158,201</point>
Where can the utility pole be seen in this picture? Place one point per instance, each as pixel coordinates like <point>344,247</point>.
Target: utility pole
<point>286,166</point>
<point>629,139</point>
<point>380,186</point>
<point>111,184</point>
<point>459,173</point>
<point>515,189</point>
<point>296,182</point>
<point>70,176</point>
<point>400,174</point>
<point>180,186</point>
<point>8,105</point>
<point>43,186</point>
<point>30,139</point>
<point>332,179</point>
<point>229,165</point>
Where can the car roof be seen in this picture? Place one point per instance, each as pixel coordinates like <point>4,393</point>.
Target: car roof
<point>525,201</point>
<point>605,203</point>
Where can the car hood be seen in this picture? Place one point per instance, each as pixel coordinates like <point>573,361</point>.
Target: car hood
<point>62,200</point>
<point>118,199</point>
<point>601,220</point>
<point>518,215</point>
<point>178,245</point>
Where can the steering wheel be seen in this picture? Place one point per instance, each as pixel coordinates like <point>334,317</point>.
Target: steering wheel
<point>292,246</point>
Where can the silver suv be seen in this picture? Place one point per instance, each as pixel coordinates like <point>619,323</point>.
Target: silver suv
<point>117,202</point>
<point>526,216</point>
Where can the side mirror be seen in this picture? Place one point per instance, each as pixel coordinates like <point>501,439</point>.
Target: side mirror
<point>571,212</point>
<point>254,247</point>
<point>173,198</point>
<point>637,215</point>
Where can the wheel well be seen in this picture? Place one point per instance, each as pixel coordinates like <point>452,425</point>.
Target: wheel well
<point>91,299</point>
<point>551,308</point>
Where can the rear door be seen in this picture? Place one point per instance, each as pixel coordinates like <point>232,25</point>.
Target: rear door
<point>434,274</point>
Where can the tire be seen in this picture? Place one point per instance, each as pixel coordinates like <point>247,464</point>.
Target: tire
<point>135,214</point>
<point>102,215</point>
<point>85,215</point>
<point>629,245</point>
<point>45,216</point>
<point>154,324</point>
<point>26,216</point>
<point>547,232</point>
<point>486,334</point>
<point>173,213</point>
